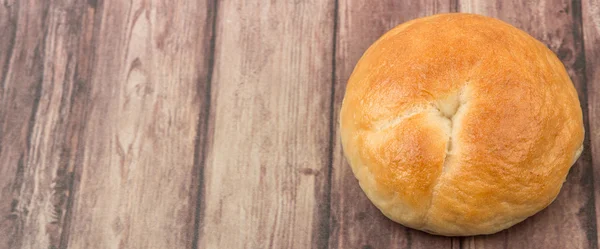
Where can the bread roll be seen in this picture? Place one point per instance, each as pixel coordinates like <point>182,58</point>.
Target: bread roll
<point>460,124</point>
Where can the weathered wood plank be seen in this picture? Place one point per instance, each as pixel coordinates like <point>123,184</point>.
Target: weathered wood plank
<point>569,222</point>
<point>355,222</point>
<point>39,56</point>
<point>265,178</point>
<point>591,41</point>
<point>137,179</point>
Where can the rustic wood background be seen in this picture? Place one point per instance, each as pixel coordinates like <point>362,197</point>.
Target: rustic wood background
<point>211,123</point>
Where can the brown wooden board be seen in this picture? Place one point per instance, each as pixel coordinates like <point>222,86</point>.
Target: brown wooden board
<point>591,34</point>
<point>136,178</point>
<point>266,171</point>
<point>214,123</point>
<point>355,221</point>
<point>570,221</point>
<point>40,68</point>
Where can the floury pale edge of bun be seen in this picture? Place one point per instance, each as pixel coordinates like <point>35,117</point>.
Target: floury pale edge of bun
<point>460,124</point>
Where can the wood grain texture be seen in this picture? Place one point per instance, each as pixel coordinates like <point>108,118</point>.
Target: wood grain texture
<point>213,124</point>
<point>355,221</point>
<point>136,180</point>
<point>266,174</point>
<point>591,41</point>
<point>570,221</point>
<point>39,116</point>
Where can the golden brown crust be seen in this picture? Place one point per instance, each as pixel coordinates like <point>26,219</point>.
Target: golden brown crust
<point>459,124</point>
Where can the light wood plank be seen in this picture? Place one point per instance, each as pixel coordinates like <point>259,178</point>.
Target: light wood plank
<point>39,54</point>
<point>355,221</point>
<point>267,168</point>
<point>568,222</point>
<point>17,102</point>
<point>137,180</point>
<point>591,41</point>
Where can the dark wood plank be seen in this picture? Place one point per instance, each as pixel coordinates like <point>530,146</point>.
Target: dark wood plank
<point>136,179</point>
<point>40,50</point>
<point>355,222</point>
<point>265,178</point>
<point>591,34</point>
<point>569,222</point>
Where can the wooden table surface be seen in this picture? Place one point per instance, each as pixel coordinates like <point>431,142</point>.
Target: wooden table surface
<point>212,123</point>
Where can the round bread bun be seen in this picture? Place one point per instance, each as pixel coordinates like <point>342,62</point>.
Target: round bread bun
<point>460,124</point>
